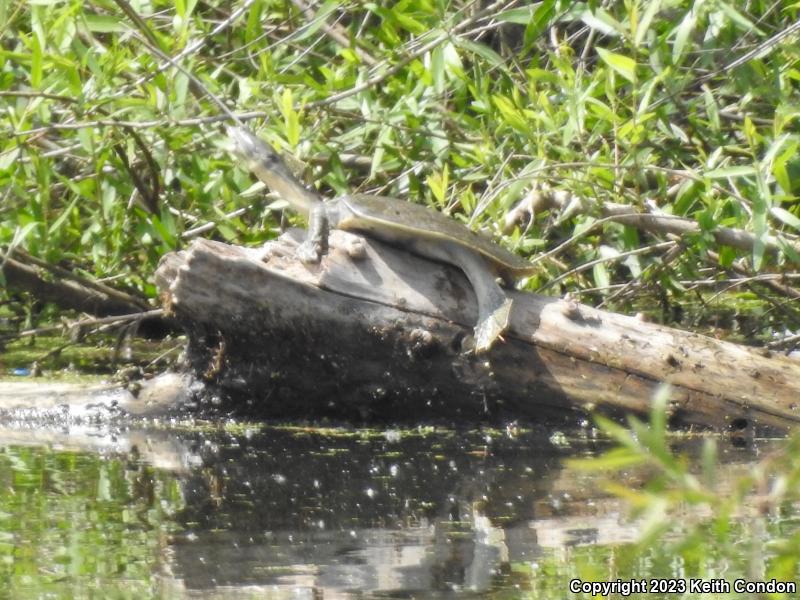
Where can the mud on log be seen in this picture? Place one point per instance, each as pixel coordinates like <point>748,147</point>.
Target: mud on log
<point>386,338</point>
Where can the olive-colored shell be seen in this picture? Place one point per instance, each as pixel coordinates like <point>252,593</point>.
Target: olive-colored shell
<point>413,220</point>
<point>385,217</point>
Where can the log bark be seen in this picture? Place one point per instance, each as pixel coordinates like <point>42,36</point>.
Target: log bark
<point>387,338</point>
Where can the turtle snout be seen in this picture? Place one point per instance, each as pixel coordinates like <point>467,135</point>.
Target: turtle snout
<point>251,147</point>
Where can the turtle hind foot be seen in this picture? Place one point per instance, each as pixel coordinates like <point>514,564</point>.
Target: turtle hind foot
<point>491,326</point>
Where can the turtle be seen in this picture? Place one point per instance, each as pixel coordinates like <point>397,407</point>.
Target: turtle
<point>419,229</point>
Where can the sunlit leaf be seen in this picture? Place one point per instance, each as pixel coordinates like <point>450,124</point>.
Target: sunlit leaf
<point>36,62</point>
<point>520,16</point>
<point>735,171</point>
<point>291,118</point>
<point>541,19</point>
<point>786,217</point>
<point>510,113</point>
<point>624,65</point>
<point>651,10</point>
<point>105,24</point>
<point>617,458</point>
<point>482,50</point>
<point>737,17</point>
<point>438,185</point>
<point>682,33</point>
<point>603,22</point>
<point>711,109</point>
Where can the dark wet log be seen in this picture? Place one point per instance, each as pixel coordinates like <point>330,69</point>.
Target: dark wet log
<point>68,290</point>
<point>50,283</point>
<point>386,337</point>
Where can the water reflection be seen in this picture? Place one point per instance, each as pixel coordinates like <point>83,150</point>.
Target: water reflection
<point>352,511</point>
<point>295,512</point>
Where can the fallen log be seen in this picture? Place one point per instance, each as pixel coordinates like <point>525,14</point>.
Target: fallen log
<point>388,338</point>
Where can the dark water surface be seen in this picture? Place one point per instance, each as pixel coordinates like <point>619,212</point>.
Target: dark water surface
<point>253,511</point>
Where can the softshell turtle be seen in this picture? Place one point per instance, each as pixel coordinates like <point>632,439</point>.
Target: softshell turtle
<point>417,228</point>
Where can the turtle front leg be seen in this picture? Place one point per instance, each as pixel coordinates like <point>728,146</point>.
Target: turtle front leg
<point>316,243</point>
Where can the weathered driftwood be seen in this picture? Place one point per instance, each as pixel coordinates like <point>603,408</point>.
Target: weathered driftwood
<point>165,395</point>
<point>388,336</point>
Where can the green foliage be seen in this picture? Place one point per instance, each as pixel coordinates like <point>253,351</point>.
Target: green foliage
<point>700,509</point>
<point>112,156</point>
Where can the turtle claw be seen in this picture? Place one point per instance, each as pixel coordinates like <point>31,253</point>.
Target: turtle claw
<point>491,326</point>
<point>309,252</point>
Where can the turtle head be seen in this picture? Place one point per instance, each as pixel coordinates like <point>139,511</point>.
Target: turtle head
<point>269,167</point>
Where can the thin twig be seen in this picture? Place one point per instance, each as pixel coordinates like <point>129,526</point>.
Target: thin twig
<point>588,265</point>
<point>759,51</point>
<point>88,322</point>
<point>248,116</point>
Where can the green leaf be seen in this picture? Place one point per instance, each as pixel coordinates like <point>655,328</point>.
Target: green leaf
<point>291,118</point>
<point>739,19</point>
<point>612,460</point>
<point>601,277</point>
<point>782,166</point>
<point>510,113</point>
<point>603,22</point>
<point>616,431</point>
<point>36,62</point>
<point>407,22</point>
<point>315,23</point>
<point>520,16</point>
<point>540,21</point>
<point>709,459</point>
<point>438,185</point>
<point>165,227</point>
<point>245,90</point>
<point>658,410</point>
<point>761,231</point>
<point>65,213</point>
<point>483,51</point>
<point>780,152</point>
<point>624,65</point>
<point>711,109</point>
<point>190,6</point>
<point>253,27</point>
<point>437,69</point>
<point>735,171</point>
<point>785,216</point>
<point>105,24</point>
<point>21,233</point>
<point>682,33</point>
<point>8,158</point>
<point>653,6</point>
<point>726,256</point>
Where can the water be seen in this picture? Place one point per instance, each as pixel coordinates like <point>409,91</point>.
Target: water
<point>252,511</point>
